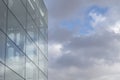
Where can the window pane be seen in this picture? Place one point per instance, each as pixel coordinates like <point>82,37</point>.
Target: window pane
<point>42,63</point>
<point>15,58</point>
<point>34,11</point>
<point>10,75</point>
<point>2,46</point>
<point>1,72</point>
<point>16,32</point>
<point>18,9</point>
<point>41,76</point>
<point>41,43</point>
<point>44,31</point>
<point>32,29</point>
<point>31,71</point>
<point>43,10</point>
<point>31,50</point>
<point>46,48</point>
<point>5,1</point>
<point>3,11</point>
<point>24,2</point>
<point>31,8</point>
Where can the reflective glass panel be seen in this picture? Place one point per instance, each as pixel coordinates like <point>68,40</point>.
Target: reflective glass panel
<point>34,11</point>
<point>24,2</point>
<point>42,63</point>
<point>31,50</point>
<point>2,46</point>
<point>32,29</point>
<point>1,71</point>
<point>41,43</point>
<point>3,12</point>
<point>43,10</point>
<point>15,58</point>
<point>31,8</point>
<point>18,9</point>
<point>10,75</point>
<point>41,76</point>
<point>31,71</point>
<point>16,32</point>
<point>5,1</point>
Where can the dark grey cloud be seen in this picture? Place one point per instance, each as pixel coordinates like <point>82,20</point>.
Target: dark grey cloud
<point>63,8</point>
<point>85,51</point>
<point>60,34</point>
<point>103,39</point>
<point>88,62</point>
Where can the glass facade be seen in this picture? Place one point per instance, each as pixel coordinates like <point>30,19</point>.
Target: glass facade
<point>23,40</point>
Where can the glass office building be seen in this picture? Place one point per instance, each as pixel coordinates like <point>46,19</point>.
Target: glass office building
<point>23,40</point>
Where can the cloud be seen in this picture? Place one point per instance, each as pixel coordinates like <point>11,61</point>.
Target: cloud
<point>63,8</point>
<point>60,34</point>
<point>116,28</point>
<point>96,52</point>
<point>87,51</point>
<point>88,56</point>
<point>99,72</point>
<point>55,50</point>
<point>97,18</point>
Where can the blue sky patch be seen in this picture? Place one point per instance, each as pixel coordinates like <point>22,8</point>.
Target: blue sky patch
<point>86,24</point>
<point>71,24</point>
<point>97,9</point>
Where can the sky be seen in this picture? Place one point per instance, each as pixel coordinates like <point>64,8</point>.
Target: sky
<point>84,39</point>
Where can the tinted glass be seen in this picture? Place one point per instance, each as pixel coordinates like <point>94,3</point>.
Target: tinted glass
<point>41,76</point>
<point>15,58</point>
<point>32,29</point>
<point>3,12</point>
<point>10,75</point>
<point>41,43</point>
<point>31,71</point>
<point>19,10</point>
<point>1,72</point>
<point>2,46</point>
<point>31,50</point>
<point>31,8</point>
<point>23,40</point>
<point>24,2</point>
<point>42,63</point>
<point>15,31</point>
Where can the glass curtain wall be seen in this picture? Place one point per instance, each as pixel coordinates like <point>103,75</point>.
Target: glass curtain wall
<point>23,40</point>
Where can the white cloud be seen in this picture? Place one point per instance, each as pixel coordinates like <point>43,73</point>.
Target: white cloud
<point>115,28</point>
<point>97,18</point>
<point>91,57</point>
<point>98,72</point>
<point>55,50</point>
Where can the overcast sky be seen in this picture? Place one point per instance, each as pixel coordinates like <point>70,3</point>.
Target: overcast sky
<point>84,39</point>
